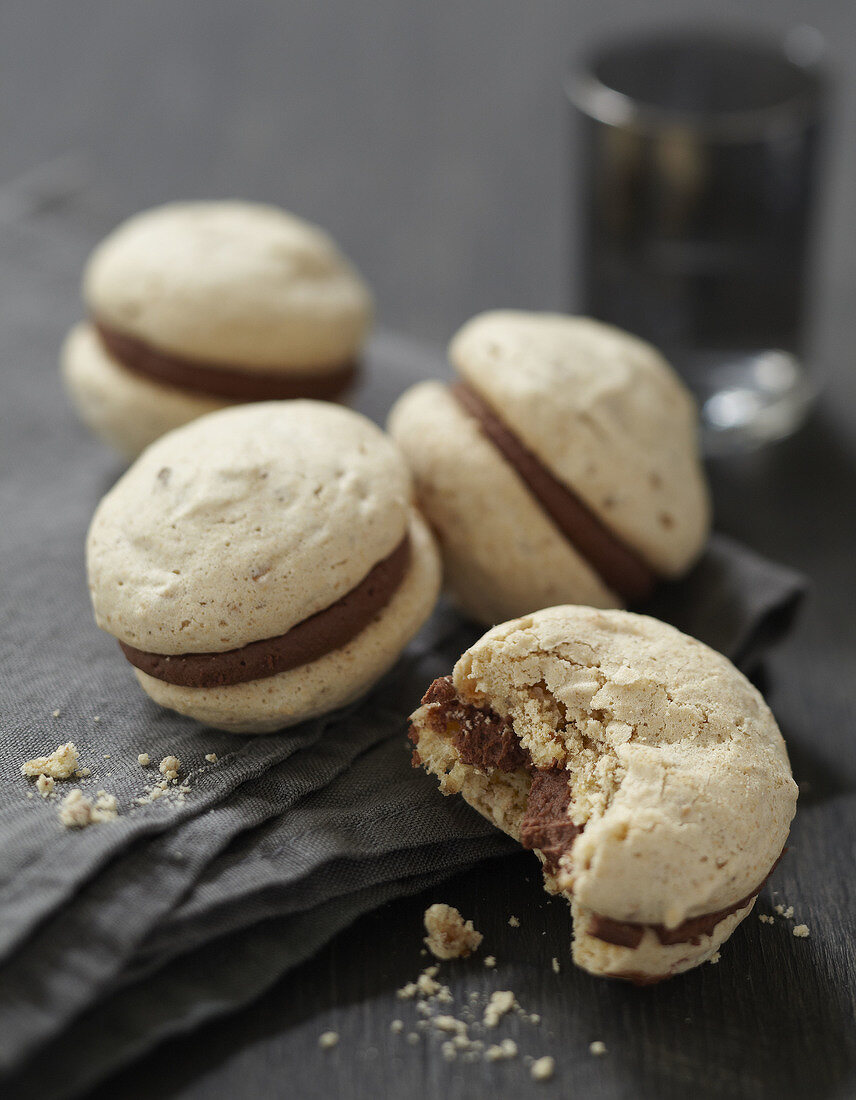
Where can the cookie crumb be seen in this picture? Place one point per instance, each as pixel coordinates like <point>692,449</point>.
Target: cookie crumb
<point>542,1069</point>
<point>45,784</point>
<point>501,1002</point>
<point>97,718</point>
<point>715,957</point>
<point>449,935</point>
<point>413,1038</point>
<point>801,931</point>
<point>490,961</point>
<point>501,1051</point>
<point>169,766</point>
<point>513,922</point>
<point>328,1039</point>
<point>555,965</point>
<point>426,985</point>
<point>597,1047</point>
<point>61,763</point>
<point>211,757</point>
<point>764,919</point>
<point>144,760</point>
<point>83,773</point>
<point>449,1023</point>
<point>396,1027</point>
<point>76,811</point>
<point>56,713</point>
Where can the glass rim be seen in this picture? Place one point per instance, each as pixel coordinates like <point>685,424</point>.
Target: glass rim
<point>611,107</point>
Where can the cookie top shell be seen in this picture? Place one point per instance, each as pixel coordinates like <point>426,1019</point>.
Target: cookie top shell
<point>240,525</point>
<point>231,283</point>
<point>607,416</point>
<point>679,775</point>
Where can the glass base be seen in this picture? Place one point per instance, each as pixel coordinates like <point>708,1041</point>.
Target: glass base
<point>747,399</point>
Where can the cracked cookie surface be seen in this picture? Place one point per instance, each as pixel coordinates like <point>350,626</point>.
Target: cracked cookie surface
<point>679,789</point>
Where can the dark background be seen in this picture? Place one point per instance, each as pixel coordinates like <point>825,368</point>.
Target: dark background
<point>429,136</point>
<point>432,139</point>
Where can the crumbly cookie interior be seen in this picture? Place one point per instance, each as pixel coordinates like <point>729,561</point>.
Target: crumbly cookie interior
<point>497,780</point>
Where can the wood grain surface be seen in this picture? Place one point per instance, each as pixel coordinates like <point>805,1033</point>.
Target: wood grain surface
<point>431,139</point>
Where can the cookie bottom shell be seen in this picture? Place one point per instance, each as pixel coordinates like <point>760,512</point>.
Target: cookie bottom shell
<point>121,408</point>
<point>334,680</point>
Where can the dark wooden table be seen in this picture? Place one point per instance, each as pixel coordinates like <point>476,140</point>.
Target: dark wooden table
<point>431,139</point>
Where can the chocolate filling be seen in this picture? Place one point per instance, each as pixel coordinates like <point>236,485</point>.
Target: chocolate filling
<point>234,382</point>
<point>481,738</point>
<point>321,633</point>
<point>546,824</point>
<point>629,934</point>
<point>618,566</point>
<point>487,742</point>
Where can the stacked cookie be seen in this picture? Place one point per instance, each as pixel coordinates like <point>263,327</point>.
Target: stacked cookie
<point>563,467</point>
<point>263,565</point>
<point>194,306</point>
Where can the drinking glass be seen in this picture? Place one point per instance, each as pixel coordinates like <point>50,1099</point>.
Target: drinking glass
<point>697,165</point>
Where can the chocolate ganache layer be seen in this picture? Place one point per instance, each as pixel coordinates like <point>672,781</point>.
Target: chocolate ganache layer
<point>621,568</point>
<point>486,741</point>
<point>232,382</point>
<point>307,641</point>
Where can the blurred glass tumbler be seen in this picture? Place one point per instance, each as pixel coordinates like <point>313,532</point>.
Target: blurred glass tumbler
<point>698,170</point>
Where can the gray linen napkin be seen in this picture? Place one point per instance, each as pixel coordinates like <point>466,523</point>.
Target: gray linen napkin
<point>293,834</point>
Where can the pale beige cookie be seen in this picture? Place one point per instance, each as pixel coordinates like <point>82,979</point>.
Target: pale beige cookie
<point>195,306</point>
<point>230,282</point>
<point>232,536</point>
<point>331,681</point>
<point>608,416</point>
<point>501,554</point>
<point>617,500</point>
<point>644,769</point>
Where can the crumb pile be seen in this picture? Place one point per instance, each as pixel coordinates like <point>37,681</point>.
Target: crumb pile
<point>169,768</point>
<point>466,1034</point>
<point>77,809</point>
<point>786,912</point>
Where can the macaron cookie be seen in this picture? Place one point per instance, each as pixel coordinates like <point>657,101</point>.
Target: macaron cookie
<point>263,565</point>
<point>562,467</point>
<point>644,770</point>
<point>194,306</point>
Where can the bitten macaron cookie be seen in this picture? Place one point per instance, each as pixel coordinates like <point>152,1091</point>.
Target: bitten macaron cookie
<point>562,466</point>
<point>263,565</point>
<point>197,305</point>
<point>646,772</point>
